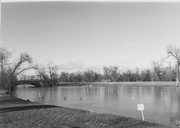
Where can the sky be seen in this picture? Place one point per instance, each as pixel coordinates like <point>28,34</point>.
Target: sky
<point>80,35</point>
<point>92,0</point>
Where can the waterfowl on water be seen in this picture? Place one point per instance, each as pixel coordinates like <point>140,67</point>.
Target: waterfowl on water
<point>65,98</point>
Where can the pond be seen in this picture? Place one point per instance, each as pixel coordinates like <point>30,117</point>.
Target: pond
<point>161,104</point>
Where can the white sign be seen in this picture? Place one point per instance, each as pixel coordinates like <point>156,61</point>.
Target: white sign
<point>140,107</point>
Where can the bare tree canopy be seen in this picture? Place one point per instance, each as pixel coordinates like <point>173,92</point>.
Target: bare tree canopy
<point>48,74</point>
<point>4,56</point>
<point>175,53</point>
<point>23,59</point>
<point>9,71</point>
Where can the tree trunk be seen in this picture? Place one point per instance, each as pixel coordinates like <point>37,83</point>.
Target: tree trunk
<point>177,77</point>
<point>1,74</point>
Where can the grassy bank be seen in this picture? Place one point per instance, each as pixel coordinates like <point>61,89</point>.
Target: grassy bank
<point>17,113</point>
<point>139,83</point>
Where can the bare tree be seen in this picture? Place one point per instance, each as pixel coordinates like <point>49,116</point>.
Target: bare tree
<point>157,71</point>
<point>18,68</point>
<point>9,72</point>
<point>4,56</point>
<point>174,52</point>
<point>48,75</point>
<point>53,75</point>
<point>111,73</point>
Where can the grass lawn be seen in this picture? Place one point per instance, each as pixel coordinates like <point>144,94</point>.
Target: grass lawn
<point>59,117</point>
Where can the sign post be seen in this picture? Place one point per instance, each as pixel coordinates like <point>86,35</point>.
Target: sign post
<point>141,108</point>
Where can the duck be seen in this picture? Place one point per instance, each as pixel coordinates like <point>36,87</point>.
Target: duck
<point>65,98</point>
<point>81,98</point>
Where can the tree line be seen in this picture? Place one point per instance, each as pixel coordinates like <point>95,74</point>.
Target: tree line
<point>49,75</point>
<point>109,74</point>
<point>113,74</point>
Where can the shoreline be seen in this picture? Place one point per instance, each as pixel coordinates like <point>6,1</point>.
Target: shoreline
<point>135,84</point>
<point>12,107</point>
<point>145,83</point>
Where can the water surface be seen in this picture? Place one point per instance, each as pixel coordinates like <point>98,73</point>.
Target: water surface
<point>162,104</point>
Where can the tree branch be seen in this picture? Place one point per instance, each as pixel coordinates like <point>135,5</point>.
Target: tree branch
<point>24,70</point>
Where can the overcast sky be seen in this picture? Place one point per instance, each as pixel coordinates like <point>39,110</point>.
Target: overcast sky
<point>91,34</point>
<point>93,0</point>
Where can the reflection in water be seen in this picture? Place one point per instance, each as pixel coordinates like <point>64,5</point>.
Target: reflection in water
<point>162,104</point>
